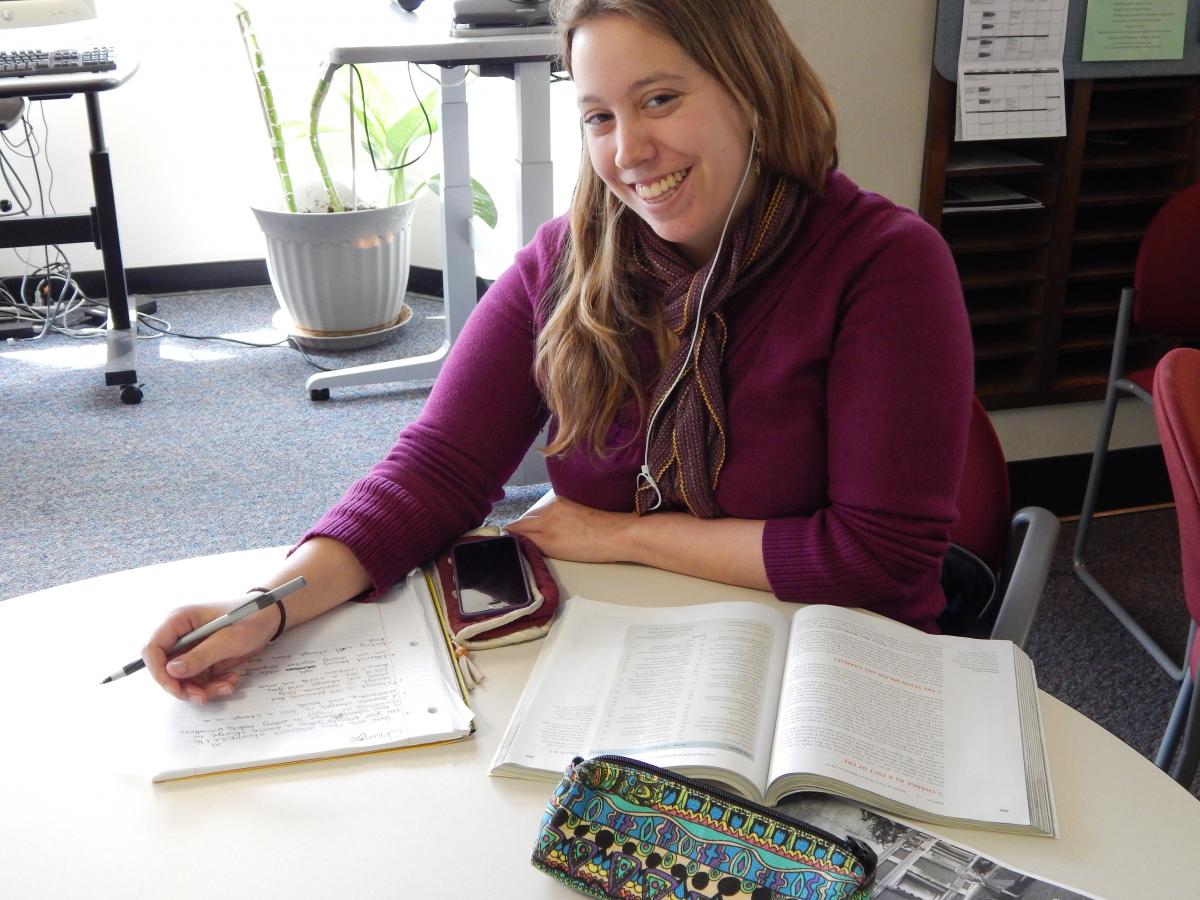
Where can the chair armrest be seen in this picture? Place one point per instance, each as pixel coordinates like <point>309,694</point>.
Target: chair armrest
<point>1032,538</point>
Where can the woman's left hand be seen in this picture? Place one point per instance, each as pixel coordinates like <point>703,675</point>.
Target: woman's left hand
<point>727,550</point>
<point>565,529</point>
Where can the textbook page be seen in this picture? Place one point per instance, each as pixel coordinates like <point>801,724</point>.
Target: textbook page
<point>932,723</point>
<point>363,677</point>
<point>689,688</point>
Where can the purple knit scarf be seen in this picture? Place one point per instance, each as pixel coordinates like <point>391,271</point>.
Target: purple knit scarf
<point>687,447</point>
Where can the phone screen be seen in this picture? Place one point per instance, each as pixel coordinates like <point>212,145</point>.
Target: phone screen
<point>489,576</point>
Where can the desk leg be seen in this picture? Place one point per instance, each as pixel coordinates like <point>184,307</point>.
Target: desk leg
<point>535,196</point>
<point>458,207</point>
<point>535,168</point>
<point>120,370</point>
<point>458,259</point>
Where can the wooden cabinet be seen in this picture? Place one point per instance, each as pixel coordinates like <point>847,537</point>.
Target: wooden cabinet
<point>1045,232</point>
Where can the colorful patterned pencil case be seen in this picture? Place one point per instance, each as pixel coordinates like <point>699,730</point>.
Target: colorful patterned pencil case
<point>619,828</point>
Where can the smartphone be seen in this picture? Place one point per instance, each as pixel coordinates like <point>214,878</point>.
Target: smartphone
<point>489,576</point>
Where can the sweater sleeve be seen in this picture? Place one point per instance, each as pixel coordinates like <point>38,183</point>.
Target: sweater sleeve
<point>898,405</point>
<point>448,467</point>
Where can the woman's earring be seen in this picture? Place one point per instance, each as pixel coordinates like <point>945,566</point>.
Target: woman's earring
<point>757,159</point>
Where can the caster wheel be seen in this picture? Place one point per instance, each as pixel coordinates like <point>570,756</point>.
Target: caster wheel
<point>318,394</point>
<point>131,395</point>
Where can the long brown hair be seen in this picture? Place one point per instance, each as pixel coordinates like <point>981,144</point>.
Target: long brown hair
<point>587,352</point>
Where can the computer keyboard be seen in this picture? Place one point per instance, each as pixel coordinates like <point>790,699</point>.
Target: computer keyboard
<point>19,63</point>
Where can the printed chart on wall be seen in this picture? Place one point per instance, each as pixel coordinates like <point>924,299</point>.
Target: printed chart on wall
<point>1010,70</point>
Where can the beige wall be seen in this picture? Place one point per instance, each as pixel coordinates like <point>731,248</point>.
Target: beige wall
<point>874,56</point>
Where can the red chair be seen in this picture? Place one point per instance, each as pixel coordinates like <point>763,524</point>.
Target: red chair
<point>1017,549</point>
<point>1177,411</point>
<point>1163,299</point>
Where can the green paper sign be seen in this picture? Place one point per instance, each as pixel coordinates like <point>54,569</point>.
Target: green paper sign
<point>1134,29</point>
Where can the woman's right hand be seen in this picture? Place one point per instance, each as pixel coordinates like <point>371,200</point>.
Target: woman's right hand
<point>208,670</point>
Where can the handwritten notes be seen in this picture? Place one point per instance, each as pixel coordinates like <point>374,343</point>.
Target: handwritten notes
<point>366,676</point>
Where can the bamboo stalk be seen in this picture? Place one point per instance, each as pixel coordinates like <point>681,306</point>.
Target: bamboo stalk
<point>314,140</point>
<point>266,100</point>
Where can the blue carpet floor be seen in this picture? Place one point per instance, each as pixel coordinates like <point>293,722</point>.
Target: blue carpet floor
<point>225,452</point>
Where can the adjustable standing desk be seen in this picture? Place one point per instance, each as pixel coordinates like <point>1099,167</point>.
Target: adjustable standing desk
<point>99,226</point>
<point>380,32</point>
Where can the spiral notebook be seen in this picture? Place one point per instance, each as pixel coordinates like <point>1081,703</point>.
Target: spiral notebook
<point>363,678</point>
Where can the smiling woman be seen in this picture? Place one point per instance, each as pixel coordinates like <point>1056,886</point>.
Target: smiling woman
<point>665,137</point>
<point>752,371</point>
<point>694,93</point>
<point>654,117</point>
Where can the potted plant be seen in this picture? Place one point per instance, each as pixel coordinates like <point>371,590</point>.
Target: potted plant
<point>340,274</point>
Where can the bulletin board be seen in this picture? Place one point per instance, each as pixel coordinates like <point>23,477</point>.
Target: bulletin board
<point>949,31</point>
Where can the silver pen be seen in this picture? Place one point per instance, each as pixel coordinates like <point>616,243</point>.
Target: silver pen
<point>192,638</point>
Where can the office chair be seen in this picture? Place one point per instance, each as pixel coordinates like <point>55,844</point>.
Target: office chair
<point>1016,549</point>
<point>1163,300</point>
<point>1177,412</point>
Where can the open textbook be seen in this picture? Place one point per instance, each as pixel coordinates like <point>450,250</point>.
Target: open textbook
<point>932,727</point>
<point>362,678</point>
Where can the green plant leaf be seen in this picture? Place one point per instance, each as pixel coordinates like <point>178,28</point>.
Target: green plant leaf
<point>400,137</point>
<point>412,127</point>
<point>375,120</point>
<point>482,203</point>
<point>385,126</point>
<point>381,105</point>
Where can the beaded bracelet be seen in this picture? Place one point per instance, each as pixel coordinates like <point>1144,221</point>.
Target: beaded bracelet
<point>282,613</point>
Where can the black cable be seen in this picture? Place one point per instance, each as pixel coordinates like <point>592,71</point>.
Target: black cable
<point>288,341</point>
<point>47,293</point>
<point>9,172</point>
<point>37,172</point>
<point>362,93</point>
<point>34,297</point>
<point>34,151</point>
<point>308,359</point>
<point>45,148</point>
<point>30,142</point>
<point>207,337</point>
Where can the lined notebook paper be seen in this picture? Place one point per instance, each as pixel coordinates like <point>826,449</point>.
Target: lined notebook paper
<point>361,678</point>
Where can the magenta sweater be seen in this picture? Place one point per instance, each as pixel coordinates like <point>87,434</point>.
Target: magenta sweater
<point>847,378</point>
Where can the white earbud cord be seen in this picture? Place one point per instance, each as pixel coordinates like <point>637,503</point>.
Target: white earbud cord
<point>645,472</point>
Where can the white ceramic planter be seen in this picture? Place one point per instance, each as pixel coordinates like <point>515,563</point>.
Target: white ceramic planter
<point>340,276</point>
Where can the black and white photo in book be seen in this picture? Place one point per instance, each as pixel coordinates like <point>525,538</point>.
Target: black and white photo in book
<point>915,864</point>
